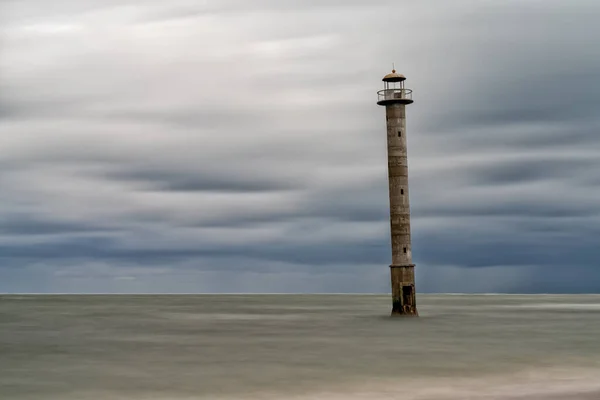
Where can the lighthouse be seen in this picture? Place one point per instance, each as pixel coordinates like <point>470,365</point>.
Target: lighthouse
<point>395,97</point>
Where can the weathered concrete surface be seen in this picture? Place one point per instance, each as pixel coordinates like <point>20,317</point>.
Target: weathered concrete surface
<point>402,268</point>
<point>403,290</point>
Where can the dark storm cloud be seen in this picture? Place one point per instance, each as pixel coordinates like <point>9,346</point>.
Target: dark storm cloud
<point>158,147</point>
<point>519,171</point>
<point>555,97</point>
<point>26,225</point>
<point>311,257</point>
<point>507,208</point>
<point>547,251</point>
<point>194,181</point>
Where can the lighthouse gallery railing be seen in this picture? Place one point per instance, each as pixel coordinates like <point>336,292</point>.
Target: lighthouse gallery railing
<point>392,94</point>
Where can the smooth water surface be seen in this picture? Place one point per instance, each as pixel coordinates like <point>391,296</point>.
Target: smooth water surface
<point>298,346</point>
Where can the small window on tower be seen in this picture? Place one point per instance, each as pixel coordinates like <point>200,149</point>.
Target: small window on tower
<point>401,191</point>
<point>405,250</point>
<point>399,133</point>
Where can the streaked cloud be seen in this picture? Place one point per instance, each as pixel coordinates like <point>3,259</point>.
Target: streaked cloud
<point>236,146</point>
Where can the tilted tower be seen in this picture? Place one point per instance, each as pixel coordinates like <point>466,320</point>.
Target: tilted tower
<point>395,97</point>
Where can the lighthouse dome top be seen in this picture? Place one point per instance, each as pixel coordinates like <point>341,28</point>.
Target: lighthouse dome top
<point>394,77</point>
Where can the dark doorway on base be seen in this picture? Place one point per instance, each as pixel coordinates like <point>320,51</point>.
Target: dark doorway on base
<point>407,295</point>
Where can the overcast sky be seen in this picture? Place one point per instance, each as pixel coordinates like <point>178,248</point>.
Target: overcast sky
<point>236,145</point>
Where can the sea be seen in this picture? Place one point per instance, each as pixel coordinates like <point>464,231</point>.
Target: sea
<point>184,347</point>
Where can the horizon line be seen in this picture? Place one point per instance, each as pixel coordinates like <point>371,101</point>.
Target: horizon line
<point>277,294</point>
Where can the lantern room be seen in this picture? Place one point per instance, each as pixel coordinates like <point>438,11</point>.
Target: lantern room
<point>394,91</point>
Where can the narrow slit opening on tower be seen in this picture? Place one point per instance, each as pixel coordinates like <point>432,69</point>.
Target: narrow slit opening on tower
<point>399,133</point>
<point>405,250</point>
<point>401,191</point>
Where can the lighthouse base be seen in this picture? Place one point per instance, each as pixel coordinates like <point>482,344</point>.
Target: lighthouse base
<point>404,301</point>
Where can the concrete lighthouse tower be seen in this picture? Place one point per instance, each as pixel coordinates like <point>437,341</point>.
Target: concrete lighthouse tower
<point>395,97</point>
